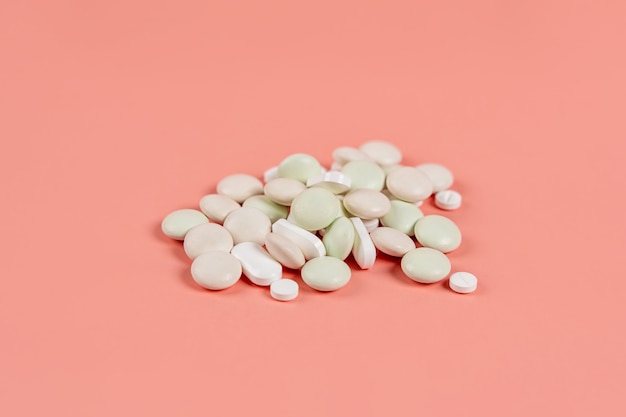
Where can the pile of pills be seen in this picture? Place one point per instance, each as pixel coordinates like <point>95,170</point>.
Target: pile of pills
<point>302,216</point>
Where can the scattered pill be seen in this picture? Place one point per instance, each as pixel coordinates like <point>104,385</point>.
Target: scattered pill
<point>284,289</point>
<point>409,184</point>
<point>326,273</point>
<point>365,174</point>
<point>283,190</point>
<point>448,200</point>
<point>364,251</point>
<point>314,209</point>
<point>463,282</point>
<point>299,167</point>
<point>271,209</point>
<point>438,232</point>
<point>284,251</point>
<point>239,187</point>
<point>248,224</point>
<point>179,222</point>
<point>366,203</point>
<point>217,206</point>
<point>216,270</point>
<point>334,181</point>
<point>310,245</point>
<point>207,237</point>
<point>260,268</point>
<point>425,265</point>
<point>383,153</point>
<point>339,238</point>
<point>402,216</point>
<point>391,241</point>
<point>440,176</point>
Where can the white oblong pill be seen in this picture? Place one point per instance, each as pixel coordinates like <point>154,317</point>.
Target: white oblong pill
<point>217,206</point>
<point>409,184</point>
<point>283,190</point>
<point>438,232</point>
<point>179,222</point>
<point>391,241</point>
<point>326,273</point>
<point>207,237</point>
<point>334,181</point>
<point>383,153</point>
<point>260,268</point>
<point>371,224</point>
<point>216,270</point>
<point>284,251</point>
<point>345,154</point>
<point>440,176</point>
<point>463,282</point>
<point>448,200</point>
<point>239,187</point>
<point>425,265</point>
<point>284,289</point>
<point>270,174</point>
<point>310,245</point>
<point>364,251</point>
<point>366,203</point>
<point>248,224</point>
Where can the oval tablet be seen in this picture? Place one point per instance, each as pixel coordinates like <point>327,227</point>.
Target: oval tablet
<point>260,268</point>
<point>240,186</point>
<point>248,224</point>
<point>207,237</point>
<point>438,232</point>
<point>409,184</point>
<point>339,238</point>
<point>440,176</point>
<point>402,216</point>
<point>299,167</point>
<point>366,204</point>
<point>391,241</point>
<point>179,222</point>
<point>283,190</point>
<point>364,251</point>
<point>383,153</point>
<point>314,209</point>
<point>271,209</point>
<point>345,154</point>
<point>217,206</point>
<point>284,251</point>
<point>310,245</point>
<point>326,273</point>
<point>365,174</point>
<point>216,270</point>
<point>284,289</point>
<point>463,282</point>
<point>425,265</point>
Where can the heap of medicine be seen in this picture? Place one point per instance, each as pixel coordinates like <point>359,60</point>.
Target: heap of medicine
<point>305,217</point>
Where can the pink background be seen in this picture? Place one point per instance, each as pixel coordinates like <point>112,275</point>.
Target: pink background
<point>113,113</point>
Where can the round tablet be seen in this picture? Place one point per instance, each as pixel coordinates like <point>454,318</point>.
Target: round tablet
<point>326,273</point>
<point>402,216</point>
<point>217,206</point>
<point>239,187</point>
<point>283,190</point>
<point>339,238</point>
<point>448,200</point>
<point>284,289</point>
<point>440,176</point>
<point>425,265</point>
<point>345,154</point>
<point>463,282</point>
<point>438,232</point>
<point>391,241</point>
<point>409,184</point>
<point>207,237</point>
<point>383,153</point>
<point>365,174</point>
<point>314,209</point>
<point>248,224</point>
<point>334,181</point>
<point>299,167</point>
<point>179,222</point>
<point>284,251</point>
<point>271,209</point>
<point>366,203</point>
<point>216,270</point>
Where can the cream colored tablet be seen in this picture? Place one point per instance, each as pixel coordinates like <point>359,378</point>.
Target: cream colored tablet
<point>425,265</point>
<point>284,251</point>
<point>217,206</point>
<point>207,237</point>
<point>216,270</point>
<point>366,204</point>
<point>248,224</point>
<point>326,273</point>
<point>179,222</point>
<point>438,232</point>
<point>409,184</point>
<point>239,187</point>
<point>283,190</point>
<point>391,241</point>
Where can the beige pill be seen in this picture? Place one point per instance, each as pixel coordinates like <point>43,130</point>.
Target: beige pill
<point>207,237</point>
<point>283,190</point>
<point>391,241</point>
<point>240,186</point>
<point>284,251</point>
<point>440,176</point>
<point>345,154</point>
<point>216,206</point>
<point>248,224</point>
<point>216,270</point>
<point>409,184</point>
<point>383,153</point>
<point>366,203</point>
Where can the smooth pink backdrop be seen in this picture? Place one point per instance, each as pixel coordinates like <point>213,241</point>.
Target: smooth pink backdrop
<point>113,113</point>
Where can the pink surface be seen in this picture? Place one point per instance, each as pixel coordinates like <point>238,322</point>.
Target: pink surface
<point>114,113</point>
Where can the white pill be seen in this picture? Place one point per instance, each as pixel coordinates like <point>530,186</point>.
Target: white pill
<point>217,206</point>
<point>448,200</point>
<point>463,282</point>
<point>391,241</point>
<point>366,204</point>
<point>270,174</point>
<point>207,237</point>
<point>365,174</point>
<point>284,289</point>
<point>310,245</point>
<point>438,232</point>
<point>248,224</point>
<point>216,270</point>
<point>345,154</point>
<point>239,187</point>
<point>371,224</point>
<point>440,176</point>
<point>260,268</point>
<point>334,181</point>
<point>326,273</point>
<point>179,222</point>
<point>383,153</point>
<point>425,265</point>
<point>284,251</point>
<point>283,190</point>
<point>409,184</point>
<point>364,251</point>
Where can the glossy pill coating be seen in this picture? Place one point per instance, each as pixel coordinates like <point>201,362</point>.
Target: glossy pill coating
<point>409,184</point>
<point>216,270</point>
<point>364,251</point>
<point>207,237</point>
<point>314,209</point>
<point>260,268</point>
<point>284,251</point>
<point>334,181</point>
<point>248,224</point>
<point>448,200</point>
<point>425,265</point>
<point>284,289</point>
<point>345,154</point>
<point>217,206</point>
<point>463,282</point>
<point>299,167</point>
<point>402,216</point>
<point>366,204</point>
<point>365,174</point>
<point>383,153</point>
<point>391,241</point>
<point>176,224</point>
<point>283,190</point>
<point>339,238</point>
<point>310,245</point>
<point>440,176</point>
<point>326,273</point>
<point>438,232</point>
<point>239,187</point>
<point>271,209</point>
